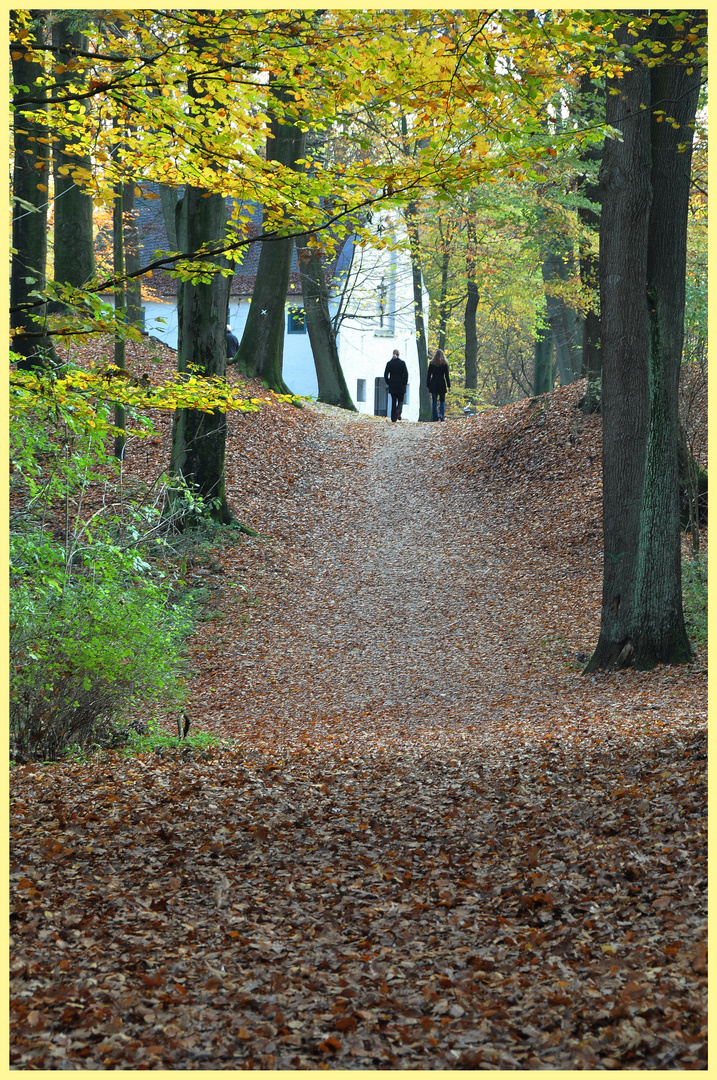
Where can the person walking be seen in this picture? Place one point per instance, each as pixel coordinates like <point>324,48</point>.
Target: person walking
<point>396,379</point>
<point>438,382</point>
<point>232,344</point>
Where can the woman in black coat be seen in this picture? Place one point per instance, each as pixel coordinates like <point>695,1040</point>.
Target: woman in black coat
<point>438,382</point>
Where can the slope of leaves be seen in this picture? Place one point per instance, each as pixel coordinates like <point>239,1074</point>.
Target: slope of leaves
<point>427,840</point>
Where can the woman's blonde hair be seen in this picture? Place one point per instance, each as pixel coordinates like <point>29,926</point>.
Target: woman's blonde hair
<point>439,357</point>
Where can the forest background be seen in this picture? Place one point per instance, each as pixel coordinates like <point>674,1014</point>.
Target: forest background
<point>548,169</point>
<point>343,855</point>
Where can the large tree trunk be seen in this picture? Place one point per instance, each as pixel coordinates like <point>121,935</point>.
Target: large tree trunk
<point>626,197</point>
<point>470,313</point>
<point>329,373</point>
<point>645,187</point>
<point>31,162</point>
<point>261,349</point>
<point>74,251</point>
<point>658,630</point>
<point>199,438</point>
<point>424,398</point>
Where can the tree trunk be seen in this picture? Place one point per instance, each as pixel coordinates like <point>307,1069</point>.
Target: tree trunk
<point>443,304</point>
<point>199,438</point>
<point>168,197</point>
<point>120,308</point>
<point>332,384</point>
<point>261,349</point>
<point>589,263</point>
<point>425,410</point>
<point>471,310</point>
<point>74,254</point>
<point>645,189</point>
<point>31,161</point>
<point>565,323</point>
<point>626,197</point>
<point>543,370</point>
<point>658,631</point>
<point>133,287</point>
<point>693,491</point>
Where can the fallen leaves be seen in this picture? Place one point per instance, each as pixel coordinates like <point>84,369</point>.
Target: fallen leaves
<point>414,938</point>
<point>430,842</point>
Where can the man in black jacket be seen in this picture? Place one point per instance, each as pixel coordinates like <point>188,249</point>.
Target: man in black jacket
<point>396,379</point>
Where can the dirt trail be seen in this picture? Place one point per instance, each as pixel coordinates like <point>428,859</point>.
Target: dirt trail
<point>389,603</point>
<point>427,841</point>
<point>400,614</point>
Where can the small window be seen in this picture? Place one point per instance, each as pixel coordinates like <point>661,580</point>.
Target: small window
<point>386,304</point>
<point>296,321</point>
<point>406,396</point>
<point>360,389</point>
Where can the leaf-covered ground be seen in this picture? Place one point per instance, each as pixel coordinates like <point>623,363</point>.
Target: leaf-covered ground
<point>427,840</point>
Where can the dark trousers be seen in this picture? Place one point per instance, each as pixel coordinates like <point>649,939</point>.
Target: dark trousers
<point>396,403</point>
<point>439,410</point>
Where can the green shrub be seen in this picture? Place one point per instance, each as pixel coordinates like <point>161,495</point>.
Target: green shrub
<point>93,632</point>
<point>86,643</point>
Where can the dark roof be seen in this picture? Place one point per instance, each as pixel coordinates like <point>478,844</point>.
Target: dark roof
<point>153,237</point>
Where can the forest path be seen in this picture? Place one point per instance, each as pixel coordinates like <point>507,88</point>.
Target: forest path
<point>383,629</point>
<point>426,840</point>
<point>413,605</point>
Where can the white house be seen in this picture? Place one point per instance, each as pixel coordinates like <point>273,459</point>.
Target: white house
<point>371,301</point>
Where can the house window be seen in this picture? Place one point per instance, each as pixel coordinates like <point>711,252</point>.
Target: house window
<point>406,395</point>
<point>296,321</point>
<point>380,398</point>
<point>360,389</point>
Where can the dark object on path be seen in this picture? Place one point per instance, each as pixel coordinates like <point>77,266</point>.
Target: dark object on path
<point>396,379</point>
<point>232,343</point>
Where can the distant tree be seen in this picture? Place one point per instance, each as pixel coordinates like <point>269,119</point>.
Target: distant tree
<point>319,324</point>
<point>471,308</point>
<point>132,262</point>
<point>261,349</point>
<point>590,217</point>
<point>543,360</point>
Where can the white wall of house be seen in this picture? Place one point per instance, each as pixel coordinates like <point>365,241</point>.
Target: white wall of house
<point>377,300</point>
<point>299,369</point>
<point>379,318</point>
